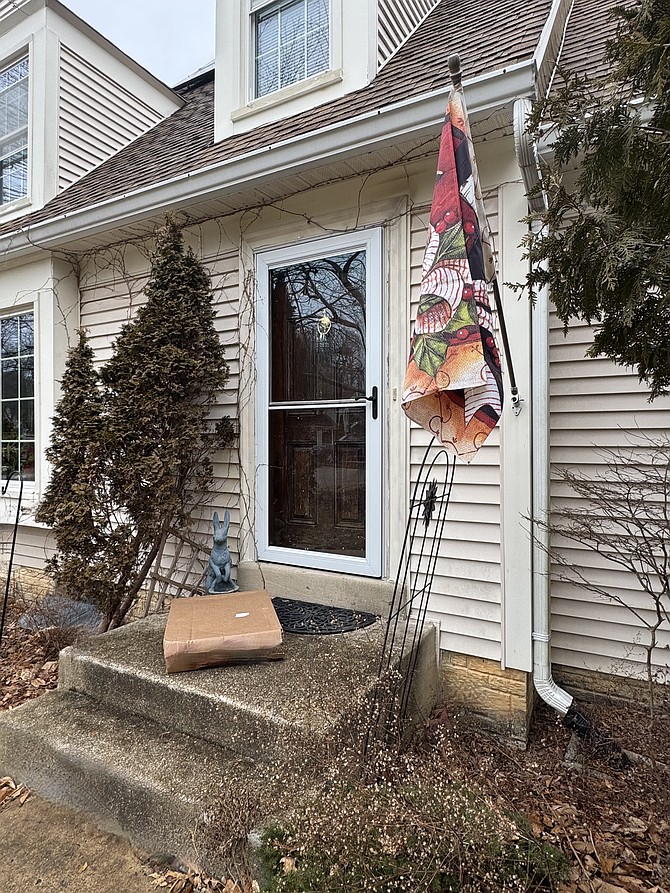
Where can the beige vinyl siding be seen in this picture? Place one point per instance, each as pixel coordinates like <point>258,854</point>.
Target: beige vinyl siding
<point>466,593</point>
<point>396,19</point>
<point>97,117</point>
<point>593,405</point>
<point>33,544</point>
<point>108,302</point>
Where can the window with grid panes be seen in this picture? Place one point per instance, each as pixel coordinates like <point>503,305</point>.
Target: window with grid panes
<point>14,131</point>
<point>292,42</point>
<point>17,395</point>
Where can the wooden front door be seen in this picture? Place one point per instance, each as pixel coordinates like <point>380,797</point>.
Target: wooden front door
<point>319,357</point>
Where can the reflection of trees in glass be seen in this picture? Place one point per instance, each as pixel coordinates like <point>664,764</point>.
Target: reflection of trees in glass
<point>17,335</point>
<point>292,43</point>
<point>14,92</point>
<point>308,363</point>
<point>17,389</point>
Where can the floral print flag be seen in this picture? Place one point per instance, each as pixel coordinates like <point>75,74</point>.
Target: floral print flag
<point>453,385</point>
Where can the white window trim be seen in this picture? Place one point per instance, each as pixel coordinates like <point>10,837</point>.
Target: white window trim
<point>13,55</point>
<point>371,241</point>
<point>48,287</point>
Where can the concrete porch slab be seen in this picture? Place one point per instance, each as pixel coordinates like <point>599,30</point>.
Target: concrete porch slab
<point>149,753</point>
<point>247,707</point>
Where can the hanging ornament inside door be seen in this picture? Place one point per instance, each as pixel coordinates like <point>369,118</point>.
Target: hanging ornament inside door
<point>324,325</point>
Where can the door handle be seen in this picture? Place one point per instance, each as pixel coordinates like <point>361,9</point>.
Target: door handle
<point>372,399</point>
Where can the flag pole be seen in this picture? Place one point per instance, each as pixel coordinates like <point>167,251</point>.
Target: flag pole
<point>456,73</point>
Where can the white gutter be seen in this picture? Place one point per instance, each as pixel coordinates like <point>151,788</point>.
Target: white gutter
<point>543,681</point>
<point>415,117</point>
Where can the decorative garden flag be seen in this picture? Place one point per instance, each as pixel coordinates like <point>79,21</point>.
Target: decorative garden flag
<point>453,385</point>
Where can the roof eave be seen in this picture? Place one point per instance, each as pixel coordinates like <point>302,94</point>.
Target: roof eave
<point>415,117</point>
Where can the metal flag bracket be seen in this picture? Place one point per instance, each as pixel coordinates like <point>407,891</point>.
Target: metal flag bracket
<point>454,63</point>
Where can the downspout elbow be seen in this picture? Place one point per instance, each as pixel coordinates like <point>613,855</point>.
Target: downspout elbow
<point>551,693</point>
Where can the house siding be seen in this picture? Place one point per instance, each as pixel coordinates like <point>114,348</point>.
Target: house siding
<point>595,405</point>
<point>395,22</point>
<point>466,592</point>
<point>97,117</point>
<point>34,546</point>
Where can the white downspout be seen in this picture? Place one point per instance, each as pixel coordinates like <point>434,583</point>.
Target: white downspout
<point>543,681</point>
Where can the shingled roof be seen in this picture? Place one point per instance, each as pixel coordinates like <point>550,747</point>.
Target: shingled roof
<point>590,26</point>
<point>489,37</point>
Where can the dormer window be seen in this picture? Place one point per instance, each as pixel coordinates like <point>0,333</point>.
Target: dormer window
<point>291,40</point>
<point>14,131</point>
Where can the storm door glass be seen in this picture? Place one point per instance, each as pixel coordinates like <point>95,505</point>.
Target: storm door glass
<point>317,421</point>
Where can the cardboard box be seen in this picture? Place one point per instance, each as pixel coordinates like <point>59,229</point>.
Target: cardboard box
<point>213,630</point>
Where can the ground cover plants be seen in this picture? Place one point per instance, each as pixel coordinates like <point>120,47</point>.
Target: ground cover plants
<point>412,828</point>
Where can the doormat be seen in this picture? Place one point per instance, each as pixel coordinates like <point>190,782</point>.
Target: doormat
<point>310,619</point>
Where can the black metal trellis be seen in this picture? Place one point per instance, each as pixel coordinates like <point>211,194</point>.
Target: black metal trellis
<point>11,551</point>
<point>427,516</point>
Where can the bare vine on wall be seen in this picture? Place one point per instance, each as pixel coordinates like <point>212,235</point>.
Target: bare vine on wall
<point>624,517</point>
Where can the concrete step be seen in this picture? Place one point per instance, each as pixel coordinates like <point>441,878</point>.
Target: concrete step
<point>149,754</point>
<point>138,778</point>
<point>250,709</point>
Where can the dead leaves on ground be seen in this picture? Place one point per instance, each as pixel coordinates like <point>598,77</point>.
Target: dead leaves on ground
<point>11,791</point>
<point>27,682</point>
<point>193,882</point>
<point>25,670</point>
<point>609,857</point>
<point>621,859</point>
<point>614,827</point>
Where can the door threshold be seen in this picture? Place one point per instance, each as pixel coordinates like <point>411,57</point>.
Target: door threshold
<point>323,587</point>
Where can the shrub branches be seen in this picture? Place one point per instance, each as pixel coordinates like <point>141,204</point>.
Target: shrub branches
<point>132,444</point>
<point>625,518</point>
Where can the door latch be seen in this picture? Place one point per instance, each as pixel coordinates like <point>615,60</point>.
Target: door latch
<point>371,399</point>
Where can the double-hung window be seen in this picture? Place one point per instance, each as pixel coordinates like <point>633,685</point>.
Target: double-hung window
<point>291,42</point>
<point>14,131</point>
<point>17,395</point>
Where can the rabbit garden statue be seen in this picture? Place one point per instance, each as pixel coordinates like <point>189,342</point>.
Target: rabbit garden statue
<point>218,571</point>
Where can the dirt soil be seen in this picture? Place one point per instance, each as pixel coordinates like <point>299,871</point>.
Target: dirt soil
<point>613,825</point>
<point>52,848</point>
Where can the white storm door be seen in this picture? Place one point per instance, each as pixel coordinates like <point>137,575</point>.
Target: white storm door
<point>320,404</point>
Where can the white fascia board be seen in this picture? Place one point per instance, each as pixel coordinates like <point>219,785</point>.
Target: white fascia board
<point>550,44</point>
<point>415,117</point>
